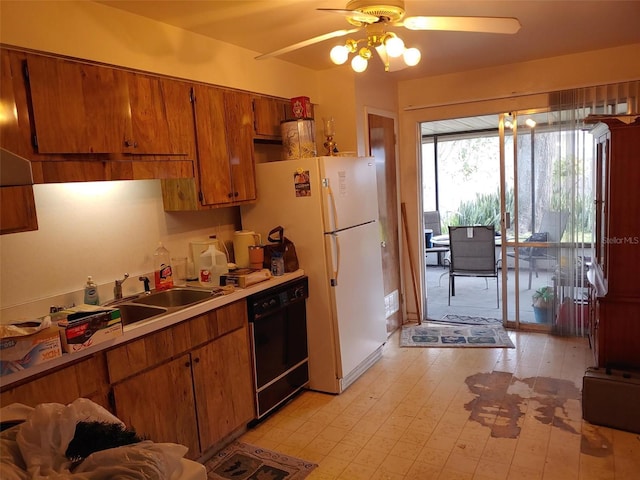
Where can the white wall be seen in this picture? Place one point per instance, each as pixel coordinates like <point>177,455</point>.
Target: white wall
<point>103,229</point>
<point>109,228</point>
<point>97,32</point>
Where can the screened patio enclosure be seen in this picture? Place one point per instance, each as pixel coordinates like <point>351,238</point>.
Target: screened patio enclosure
<point>530,174</point>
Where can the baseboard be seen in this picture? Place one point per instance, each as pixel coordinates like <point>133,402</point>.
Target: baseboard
<point>367,363</point>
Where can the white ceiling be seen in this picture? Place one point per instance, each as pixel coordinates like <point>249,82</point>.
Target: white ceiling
<point>549,28</point>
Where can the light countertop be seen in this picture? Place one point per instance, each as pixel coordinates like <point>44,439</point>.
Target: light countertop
<point>145,327</point>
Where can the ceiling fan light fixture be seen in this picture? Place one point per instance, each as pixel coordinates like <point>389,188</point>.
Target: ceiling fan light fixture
<point>359,64</point>
<point>394,46</point>
<point>339,54</point>
<point>412,56</point>
<point>365,53</point>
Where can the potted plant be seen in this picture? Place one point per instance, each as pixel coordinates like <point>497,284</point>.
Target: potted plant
<point>543,304</point>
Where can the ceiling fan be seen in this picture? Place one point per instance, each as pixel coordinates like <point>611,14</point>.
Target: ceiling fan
<point>376,18</point>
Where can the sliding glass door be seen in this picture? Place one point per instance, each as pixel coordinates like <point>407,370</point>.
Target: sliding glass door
<point>548,204</point>
<point>530,173</point>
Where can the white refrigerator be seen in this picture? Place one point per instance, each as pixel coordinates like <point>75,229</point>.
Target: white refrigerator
<point>328,207</point>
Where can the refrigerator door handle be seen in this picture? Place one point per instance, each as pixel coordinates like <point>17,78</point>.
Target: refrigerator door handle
<point>333,212</point>
<point>335,259</point>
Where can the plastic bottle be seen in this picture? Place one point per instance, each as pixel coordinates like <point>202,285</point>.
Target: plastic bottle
<point>162,268</point>
<point>213,263</point>
<point>91,292</point>
<point>277,264</point>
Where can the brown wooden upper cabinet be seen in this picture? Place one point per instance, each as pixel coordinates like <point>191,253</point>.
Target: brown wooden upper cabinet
<point>268,114</point>
<point>224,124</point>
<point>161,116</point>
<point>83,108</point>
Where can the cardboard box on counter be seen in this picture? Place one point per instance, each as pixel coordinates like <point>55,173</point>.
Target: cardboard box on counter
<point>85,326</point>
<point>244,277</point>
<point>24,351</point>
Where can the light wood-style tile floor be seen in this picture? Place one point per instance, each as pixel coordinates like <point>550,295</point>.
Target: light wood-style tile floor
<point>457,413</point>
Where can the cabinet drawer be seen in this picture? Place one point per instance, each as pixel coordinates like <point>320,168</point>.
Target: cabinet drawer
<point>86,378</point>
<point>158,347</point>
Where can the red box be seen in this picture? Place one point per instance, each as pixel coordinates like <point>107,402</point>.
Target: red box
<point>301,107</point>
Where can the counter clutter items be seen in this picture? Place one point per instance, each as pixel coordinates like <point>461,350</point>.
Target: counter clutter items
<point>245,277</point>
<point>31,343</point>
<point>27,344</point>
<point>47,338</point>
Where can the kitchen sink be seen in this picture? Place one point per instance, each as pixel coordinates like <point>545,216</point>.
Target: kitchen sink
<point>176,297</point>
<point>132,313</point>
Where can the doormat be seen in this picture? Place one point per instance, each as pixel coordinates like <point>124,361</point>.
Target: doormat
<point>455,336</point>
<point>468,320</point>
<point>241,461</point>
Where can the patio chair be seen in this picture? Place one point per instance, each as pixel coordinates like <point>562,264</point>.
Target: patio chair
<point>551,230</point>
<point>473,254</point>
<point>432,222</point>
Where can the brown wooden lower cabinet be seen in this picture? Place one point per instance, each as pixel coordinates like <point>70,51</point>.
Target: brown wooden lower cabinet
<point>196,400</point>
<point>223,387</point>
<point>191,383</point>
<point>159,404</point>
<point>86,378</point>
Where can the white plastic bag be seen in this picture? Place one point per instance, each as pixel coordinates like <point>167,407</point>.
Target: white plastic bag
<point>44,438</point>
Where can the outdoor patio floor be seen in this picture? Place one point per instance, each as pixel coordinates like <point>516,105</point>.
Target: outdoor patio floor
<point>475,297</point>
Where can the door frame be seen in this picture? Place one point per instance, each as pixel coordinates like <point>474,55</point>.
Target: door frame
<point>392,115</point>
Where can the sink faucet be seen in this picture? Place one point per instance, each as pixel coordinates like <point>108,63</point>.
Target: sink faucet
<point>145,280</point>
<point>117,290</point>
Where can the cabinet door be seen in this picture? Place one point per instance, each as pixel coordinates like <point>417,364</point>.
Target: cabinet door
<point>78,108</point>
<point>268,113</point>
<point>17,209</point>
<point>161,116</point>
<point>9,126</point>
<point>213,156</point>
<point>239,128</point>
<point>159,404</point>
<point>223,384</point>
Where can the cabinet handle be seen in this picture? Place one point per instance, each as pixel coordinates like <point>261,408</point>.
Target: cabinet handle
<point>235,194</point>
<point>187,364</point>
<point>129,143</point>
<point>197,359</point>
<point>230,194</point>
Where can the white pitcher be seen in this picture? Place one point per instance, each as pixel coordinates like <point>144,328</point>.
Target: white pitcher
<point>242,240</point>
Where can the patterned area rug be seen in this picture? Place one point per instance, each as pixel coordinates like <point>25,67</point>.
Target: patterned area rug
<point>468,320</point>
<point>241,461</point>
<point>455,336</point>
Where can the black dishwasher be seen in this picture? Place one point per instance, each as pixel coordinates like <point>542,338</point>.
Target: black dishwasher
<point>278,326</point>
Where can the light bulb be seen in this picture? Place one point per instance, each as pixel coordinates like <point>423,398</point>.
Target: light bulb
<point>394,46</point>
<point>359,64</point>
<point>412,56</point>
<point>339,54</point>
<point>530,122</point>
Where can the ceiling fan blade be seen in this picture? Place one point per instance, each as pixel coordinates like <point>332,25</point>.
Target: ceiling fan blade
<point>306,43</point>
<point>352,15</point>
<point>507,25</point>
